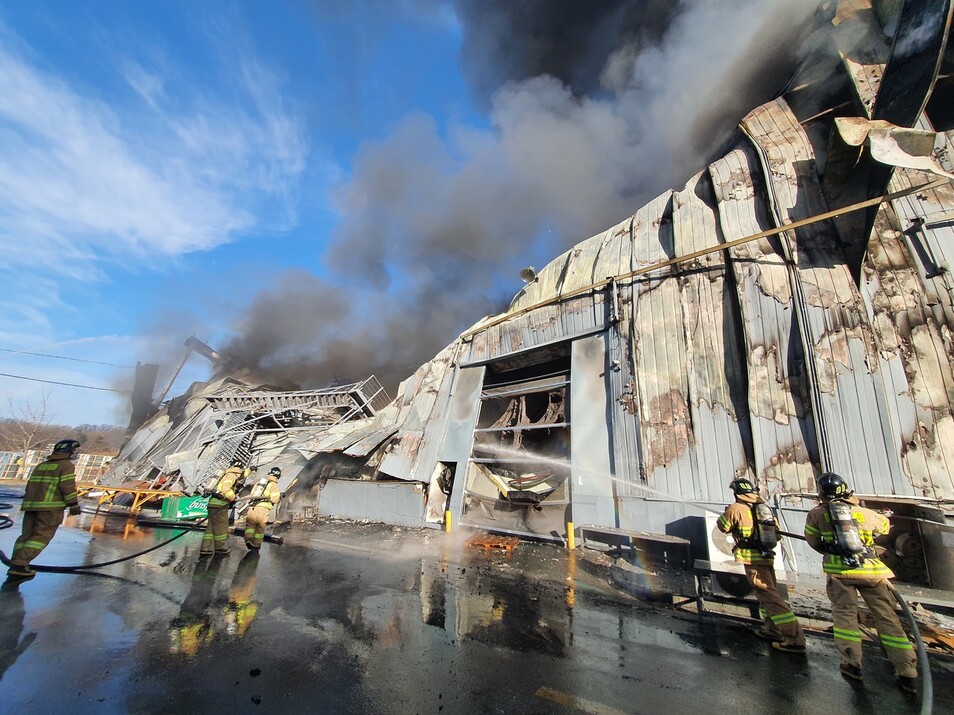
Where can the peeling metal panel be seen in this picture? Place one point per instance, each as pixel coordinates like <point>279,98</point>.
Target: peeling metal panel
<point>413,453</point>
<point>916,327</point>
<point>370,441</point>
<point>863,49</point>
<point>829,311</point>
<point>782,431</point>
<point>716,370</point>
<point>659,348</point>
<point>927,221</point>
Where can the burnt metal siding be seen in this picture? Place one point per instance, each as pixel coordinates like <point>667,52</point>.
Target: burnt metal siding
<point>554,323</point>
<point>829,313</point>
<point>464,407</point>
<point>627,457</point>
<point>914,359</point>
<point>716,368</point>
<point>863,48</point>
<point>659,352</point>
<point>923,332</point>
<point>422,416</point>
<point>907,291</point>
<point>783,441</point>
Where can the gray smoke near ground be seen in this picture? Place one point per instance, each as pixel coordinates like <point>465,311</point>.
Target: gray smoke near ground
<point>594,109</point>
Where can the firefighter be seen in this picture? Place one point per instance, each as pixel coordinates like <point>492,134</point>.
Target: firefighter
<point>223,497</point>
<point>755,531</point>
<point>844,531</point>
<point>264,497</point>
<point>50,490</point>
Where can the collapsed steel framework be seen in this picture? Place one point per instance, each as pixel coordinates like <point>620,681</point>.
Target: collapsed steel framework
<point>227,421</point>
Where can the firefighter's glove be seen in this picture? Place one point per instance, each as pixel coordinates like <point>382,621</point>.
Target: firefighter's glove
<point>75,510</point>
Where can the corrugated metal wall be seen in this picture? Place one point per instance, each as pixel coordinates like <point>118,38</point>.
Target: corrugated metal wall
<point>712,379</point>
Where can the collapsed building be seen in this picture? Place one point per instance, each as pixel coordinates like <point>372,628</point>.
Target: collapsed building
<point>788,311</point>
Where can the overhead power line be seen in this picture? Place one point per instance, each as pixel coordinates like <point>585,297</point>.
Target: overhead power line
<point>63,357</point>
<point>67,384</point>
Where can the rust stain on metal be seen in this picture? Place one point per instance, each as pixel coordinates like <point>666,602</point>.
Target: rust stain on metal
<point>667,423</point>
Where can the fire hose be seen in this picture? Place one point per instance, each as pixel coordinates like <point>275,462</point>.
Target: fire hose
<point>927,684</point>
<point>86,567</point>
<point>6,521</point>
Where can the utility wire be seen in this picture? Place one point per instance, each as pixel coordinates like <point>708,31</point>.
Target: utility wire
<point>67,384</point>
<point>63,357</point>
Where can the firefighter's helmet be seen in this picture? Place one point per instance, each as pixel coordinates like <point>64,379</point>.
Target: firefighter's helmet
<point>66,445</point>
<point>742,486</point>
<point>832,486</point>
<point>236,462</point>
<point>274,472</point>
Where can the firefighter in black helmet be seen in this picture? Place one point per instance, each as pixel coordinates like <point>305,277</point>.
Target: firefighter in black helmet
<point>755,531</point>
<point>844,532</point>
<point>50,490</point>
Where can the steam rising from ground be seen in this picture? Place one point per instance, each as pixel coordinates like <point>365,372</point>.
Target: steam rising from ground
<point>594,109</point>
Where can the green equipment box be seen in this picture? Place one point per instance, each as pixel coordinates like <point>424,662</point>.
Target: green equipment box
<point>184,508</point>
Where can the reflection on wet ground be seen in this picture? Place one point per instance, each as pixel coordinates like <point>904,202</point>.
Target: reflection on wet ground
<point>370,619</point>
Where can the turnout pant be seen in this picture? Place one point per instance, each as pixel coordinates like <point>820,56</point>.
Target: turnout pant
<point>256,519</point>
<point>38,528</point>
<point>776,613</point>
<point>843,593</point>
<point>216,531</point>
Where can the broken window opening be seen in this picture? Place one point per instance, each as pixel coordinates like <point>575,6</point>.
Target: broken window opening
<point>517,478</point>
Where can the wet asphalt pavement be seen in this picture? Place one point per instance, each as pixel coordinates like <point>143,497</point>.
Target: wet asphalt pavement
<point>352,618</point>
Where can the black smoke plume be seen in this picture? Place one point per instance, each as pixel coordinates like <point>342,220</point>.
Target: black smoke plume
<point>595,107</point>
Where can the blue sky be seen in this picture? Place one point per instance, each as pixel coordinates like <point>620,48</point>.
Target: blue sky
<point>328,189</point>
<point>165,161</point>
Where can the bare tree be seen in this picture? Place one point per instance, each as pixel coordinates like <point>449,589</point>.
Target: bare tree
<point>27,428</point>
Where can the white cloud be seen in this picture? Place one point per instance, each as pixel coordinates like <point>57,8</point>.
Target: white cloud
<point>83,181</point>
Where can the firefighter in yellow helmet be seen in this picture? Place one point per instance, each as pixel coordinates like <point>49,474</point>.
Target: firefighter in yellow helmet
<point>223,497</point>
<point>50,490</point>
<point>265,495</point>
<point>755,531</point>
<point>844,531</point>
